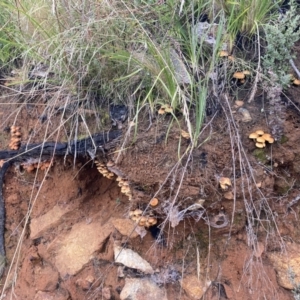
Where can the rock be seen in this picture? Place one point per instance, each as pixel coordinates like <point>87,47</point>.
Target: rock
<point>181,73</point>
<point>58,295</point>
<point>50,219</point>
<point>125,227</point>
<point>77,248</point>
<point>137,289</point>
<point>287,265</point>
<point>131,259</point>
<point>194,287</point>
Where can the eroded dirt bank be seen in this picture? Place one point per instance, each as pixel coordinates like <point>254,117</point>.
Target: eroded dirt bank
<point>224,242</point>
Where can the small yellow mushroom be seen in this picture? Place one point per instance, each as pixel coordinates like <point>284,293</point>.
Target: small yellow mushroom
<point>253,135</point>
<point>224,182</point>
<point>142,221</point>
<point>260,145</point>
<point>152,221</point>
<point>153,202</point>
<point>169,109</point>
<point>260,139</point>
<point>223,53</point>
<point>239,103</point>
<point>125,189</point>
<point>296,82</point>
<point>239,75</point>
<point>138,212</point>
<point>246,72</point>
<point>135,218</point>
<point>266,136</point>
<point>185,134</point>
<point>161,111</point>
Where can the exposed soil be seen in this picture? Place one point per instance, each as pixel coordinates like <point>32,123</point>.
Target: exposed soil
<point>265,186</point>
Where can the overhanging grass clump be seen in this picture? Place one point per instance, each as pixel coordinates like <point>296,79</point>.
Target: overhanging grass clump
<point>139,53</point>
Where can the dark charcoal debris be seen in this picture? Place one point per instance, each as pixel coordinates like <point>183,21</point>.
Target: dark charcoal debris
<point>118,114</point>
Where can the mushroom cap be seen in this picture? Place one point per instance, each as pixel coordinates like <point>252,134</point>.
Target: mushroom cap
<point>143,219</point>
<point>239,103</point>
<point>223,53</point>
<point>138,212</point>
<point>260,139</point>
<point>239,75</point>
<point>161,111</point>
<point>185,134</point>
<point>128,193</point>
<point>266,136</point>
<point>259,132</point>
<point>247,72</point>
<point>296,82</point>
<point>135,218</point>
<point>153,201</point>
<point>253,135</point>
<point>270,140</point>
<point>119,178</point>
<point>142,223</point>
<point>125,189</point>
<point>168,109</point>
<point>152,221</point>
<point>17,134</point>
<point>225,181</point>
<point>260,145</point>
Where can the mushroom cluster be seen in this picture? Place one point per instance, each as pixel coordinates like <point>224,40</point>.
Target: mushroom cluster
<point>294,80</point>
<point>30,166</point>
<point>102,168</point>
<point>166,108</point>
<point>15,140</point>
<point>261,138</point>
<point>145,221</point>
<point>185,135</point>
<point>125,189</point>
<point>224,53</point>
<point>241,75</point>
<point>224,182</point>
